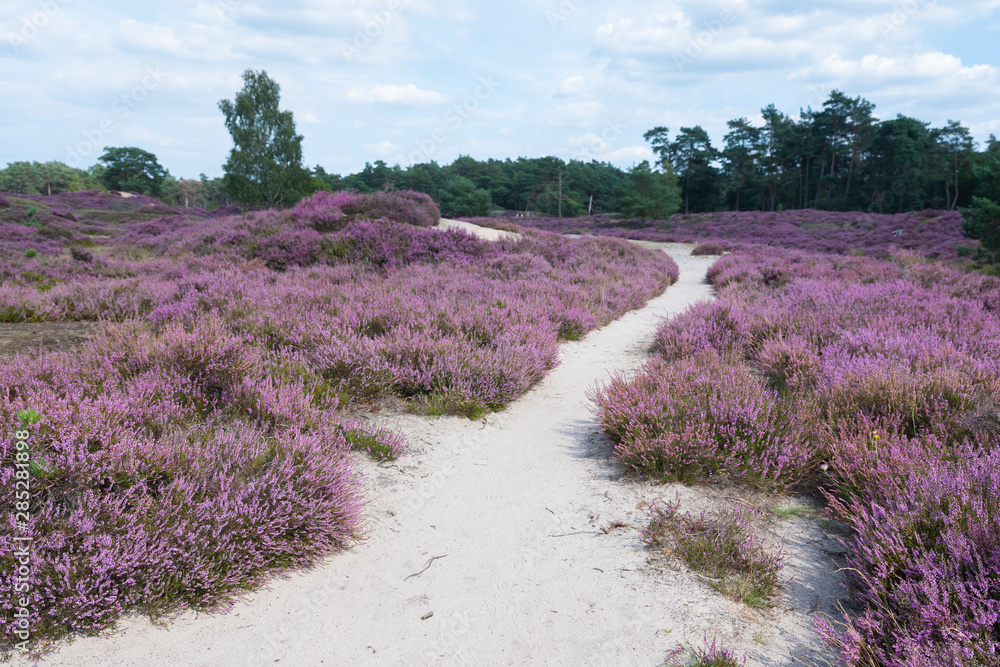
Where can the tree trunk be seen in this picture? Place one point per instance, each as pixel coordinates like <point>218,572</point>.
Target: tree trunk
<point>850,173</point>
<point>560,194</point>
<point>819,186</point>
<point>687,192</point>
<point>804,199</point>
<point>955,203</point>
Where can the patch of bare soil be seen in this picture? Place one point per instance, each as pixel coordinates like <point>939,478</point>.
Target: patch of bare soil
<point>44,336</point>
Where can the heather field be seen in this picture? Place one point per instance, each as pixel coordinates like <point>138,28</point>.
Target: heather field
<point>933,234</point>
<point>873,382</point>
<point>198,443</point>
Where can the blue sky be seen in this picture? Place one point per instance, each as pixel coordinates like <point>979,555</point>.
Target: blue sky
<point>413,80</point>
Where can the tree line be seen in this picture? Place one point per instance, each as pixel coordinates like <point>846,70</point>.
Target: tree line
<point>127,169</point>
<point>838,157</point>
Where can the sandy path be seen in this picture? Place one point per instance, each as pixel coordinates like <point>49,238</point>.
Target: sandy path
<point>482,232</point>
<point>515,506</point>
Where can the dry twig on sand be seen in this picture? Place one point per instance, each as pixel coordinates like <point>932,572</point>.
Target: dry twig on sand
<point>417,574</point>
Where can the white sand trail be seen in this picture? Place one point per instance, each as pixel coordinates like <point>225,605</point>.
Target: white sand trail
<point>482,232</point>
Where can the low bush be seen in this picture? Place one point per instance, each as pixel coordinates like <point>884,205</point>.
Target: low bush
<point>700,418</point>
<point>710,654</point>
<point>708,248</point>
<point>332,211</point>
<point>723,546</point>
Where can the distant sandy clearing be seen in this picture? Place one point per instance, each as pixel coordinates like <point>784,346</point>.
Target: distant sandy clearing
<point>482,232</point>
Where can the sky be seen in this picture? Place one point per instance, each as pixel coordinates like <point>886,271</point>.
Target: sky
<point>408,81</point>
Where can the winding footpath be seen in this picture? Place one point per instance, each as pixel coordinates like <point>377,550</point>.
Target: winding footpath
<point>508,541</point>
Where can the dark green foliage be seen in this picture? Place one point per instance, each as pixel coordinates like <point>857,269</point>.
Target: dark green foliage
<point>650,194</point>
<point>526,185</point>
<point>132,170</point>
<point>982,221</point>
<point>265,165</point>
<point>692,157</point>
<point>32,213</point>
<point>461,198</point>
<point>49,178</point>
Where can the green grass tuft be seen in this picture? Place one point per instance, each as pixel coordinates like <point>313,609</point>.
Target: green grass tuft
<point>438,405</point>
<point>722,547</point>
<point>371,443</point>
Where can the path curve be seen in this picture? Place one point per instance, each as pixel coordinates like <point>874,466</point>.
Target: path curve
<point>485,546</point>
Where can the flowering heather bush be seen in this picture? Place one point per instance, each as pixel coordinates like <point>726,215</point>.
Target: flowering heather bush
<point>200,442</point>
<point>408,206</point>
<point>934,234</point>
<point>386,245</point>
<point>709,655</point>
<point>99,200</point>
<point>3,202</point>
<point>107,207</point>
<point>328,211</point>
<point>897,366</point>
<point>15,239</point>
<point>693,419</point>
<point>708,248</point>
<point>169,474</point>
<point>722,545</point>
<point>926,566</point>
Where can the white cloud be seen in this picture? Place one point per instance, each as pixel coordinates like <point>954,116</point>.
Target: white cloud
<point>393,94</point>
<point>643,32</point>
<point>574,85</point>
<point>563,86</point>
<point>590,140</point>
<point>939,79</point>
<point>628,155</point>
<point>875,67</point>
<point>383,147</point>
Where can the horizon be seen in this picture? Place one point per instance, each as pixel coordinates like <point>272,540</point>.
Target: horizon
<point>404,81</point>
